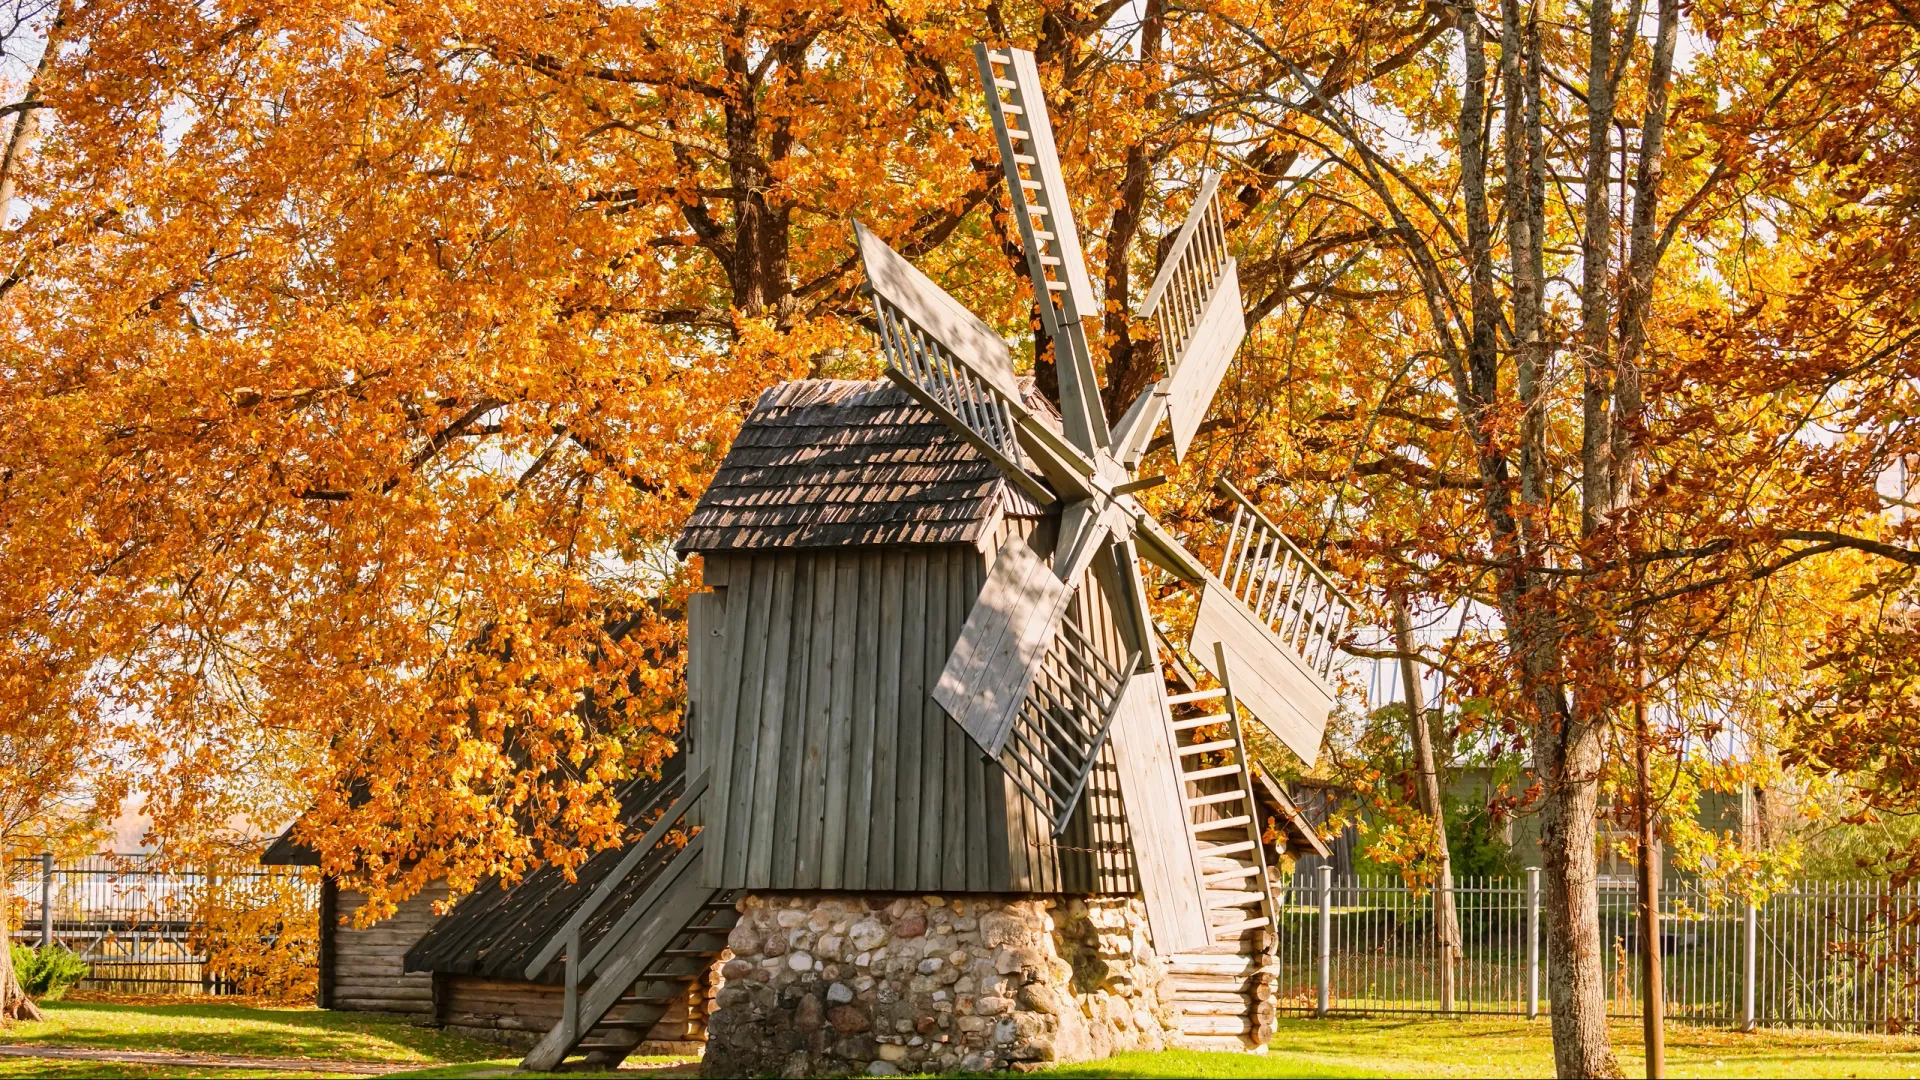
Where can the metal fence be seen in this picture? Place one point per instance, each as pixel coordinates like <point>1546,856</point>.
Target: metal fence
<point>1821,954</point>
<point>140,927</point>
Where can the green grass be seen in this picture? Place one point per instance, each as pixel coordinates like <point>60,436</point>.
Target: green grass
<point>1301,1048</point>
<point>1516,1048</point>
<point>231,1029</point>
<point>52,1069</point>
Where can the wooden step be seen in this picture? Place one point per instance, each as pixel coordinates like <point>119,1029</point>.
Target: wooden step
<point>1221,851</point>
<point>629,1025</point>
<point>1223,823</point>
<point>1206,747</point>
<point>1196,695</point>
<point>1217,797</point>
<point>1238,927</point>
<point>1208,774</point>
<point>1229,875</point>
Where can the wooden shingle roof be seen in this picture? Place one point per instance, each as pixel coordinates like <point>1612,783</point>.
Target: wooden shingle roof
<point>498,929</point>
<point>833,463</point>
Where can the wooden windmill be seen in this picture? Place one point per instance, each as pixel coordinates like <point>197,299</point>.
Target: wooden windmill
<point>1025,683</point>
<point>922,662</point>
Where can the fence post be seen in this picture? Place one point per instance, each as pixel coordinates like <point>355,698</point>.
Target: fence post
<point>1533,943</point>
<point>1326,939</point>
<point>46,900</point>
<point>1750,970</point>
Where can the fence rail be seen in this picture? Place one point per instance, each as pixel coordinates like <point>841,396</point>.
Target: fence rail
<point>1820,954</point>
<point>142,927</point>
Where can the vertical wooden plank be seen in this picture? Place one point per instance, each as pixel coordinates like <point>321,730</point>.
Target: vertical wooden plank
<point>886,724</point>
<point>973,762</point>
<point>789,598</point>
<point>1170,876</point>
<point>854,780</point>
<point>959,821</point>
<point>740,719</point>
<point>837,724</point>
<point>700,614</point>
<point>706,663</point>
<point>913,707</point>
<point>934,723</point>
<point>810,763</point>
<point>1007,864</point>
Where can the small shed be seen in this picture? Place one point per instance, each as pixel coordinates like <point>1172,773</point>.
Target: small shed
<point>364,969</point>
<point>479,955</point>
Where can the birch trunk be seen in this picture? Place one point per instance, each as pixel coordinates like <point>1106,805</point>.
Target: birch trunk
<point>1446,918</point>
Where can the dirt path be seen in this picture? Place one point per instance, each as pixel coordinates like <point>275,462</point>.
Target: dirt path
<point>203,1061</point>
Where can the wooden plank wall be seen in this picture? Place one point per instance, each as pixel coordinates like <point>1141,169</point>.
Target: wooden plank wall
<point>518,1013</point>
<point>835,769</point>
<point>367,972</point>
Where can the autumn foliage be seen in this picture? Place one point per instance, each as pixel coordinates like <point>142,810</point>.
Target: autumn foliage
<point>361,362</point>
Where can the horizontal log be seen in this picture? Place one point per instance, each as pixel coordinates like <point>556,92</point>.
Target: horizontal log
<point>1215,1025</point>
<point>381,1006</point>
<point>1191,1008</point>
<point>521,1040</point>
<point>1184,996</point>
<point>476,982</point>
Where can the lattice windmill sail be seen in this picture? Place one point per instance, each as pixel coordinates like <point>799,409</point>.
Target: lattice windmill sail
<point>1024,681</point>
<point>1196,298</point>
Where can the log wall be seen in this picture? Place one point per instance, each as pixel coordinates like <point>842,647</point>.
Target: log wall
<point>364,968</point>
<point>517,1014</point>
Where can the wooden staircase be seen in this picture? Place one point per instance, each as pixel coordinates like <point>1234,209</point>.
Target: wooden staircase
<point>617,992</point>
<point>1223,992</point>
<point>647,965</point>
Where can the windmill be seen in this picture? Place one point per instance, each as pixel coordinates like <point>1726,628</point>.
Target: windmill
<point>1025,683</point>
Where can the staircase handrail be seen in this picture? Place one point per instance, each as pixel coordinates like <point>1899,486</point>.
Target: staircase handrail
<point>570,930</point>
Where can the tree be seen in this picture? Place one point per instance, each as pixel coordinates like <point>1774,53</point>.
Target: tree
<point>1542,227</point>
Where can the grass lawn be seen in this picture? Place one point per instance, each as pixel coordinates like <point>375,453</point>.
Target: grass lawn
<point>1302,1048</point>
<point>204,1028</point>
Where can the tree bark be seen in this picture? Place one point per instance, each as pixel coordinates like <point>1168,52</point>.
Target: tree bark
<point>14,1002</point>
<point>1446,918</point>
<point>26,122</point>
<point>1596,495</point>
<point>1652,974</point>
<point>1567,759</point>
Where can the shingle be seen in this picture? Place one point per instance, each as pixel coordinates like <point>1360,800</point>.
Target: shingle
<point>830,463</point>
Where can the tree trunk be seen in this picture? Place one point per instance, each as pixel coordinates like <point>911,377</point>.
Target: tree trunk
<point>26,123</point>
<point>1652,976</point>
<point>1567,758</point>
<point>14,1002</point>
<point>1446,919</point>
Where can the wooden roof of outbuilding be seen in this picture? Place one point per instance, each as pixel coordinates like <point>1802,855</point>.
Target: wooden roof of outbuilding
<point>836,463</point>
<point>498,929</point>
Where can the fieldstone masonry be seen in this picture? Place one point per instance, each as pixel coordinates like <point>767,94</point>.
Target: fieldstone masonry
<point>838,984</point>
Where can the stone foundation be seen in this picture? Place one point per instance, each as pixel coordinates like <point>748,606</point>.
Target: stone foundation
<point>836,984</point>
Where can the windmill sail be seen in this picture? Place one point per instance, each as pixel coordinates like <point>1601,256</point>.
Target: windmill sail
<point>1056,737</point>
<point>1005,638</point>
<point>962,371</point>
<point>1037,194</point>
<point>1280,619</point>
<point>1196,300</point>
